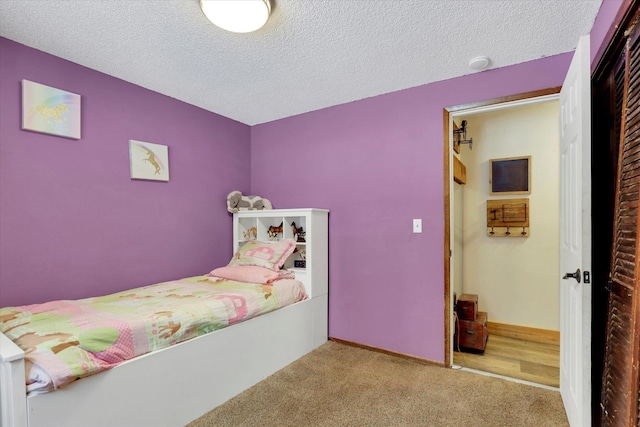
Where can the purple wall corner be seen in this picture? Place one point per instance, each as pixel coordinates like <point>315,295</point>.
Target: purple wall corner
<point>377,164</point>
<point>73,223</point>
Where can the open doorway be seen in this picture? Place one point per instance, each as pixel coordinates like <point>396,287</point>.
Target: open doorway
<point>511,271</point>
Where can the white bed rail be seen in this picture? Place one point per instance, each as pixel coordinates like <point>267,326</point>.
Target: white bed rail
<point>13,402</point>
<point>172,386</point>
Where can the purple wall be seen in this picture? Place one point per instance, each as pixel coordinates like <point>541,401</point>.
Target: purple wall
<point>73,224</point>
<point>610,14</point>
<point>377,164</point>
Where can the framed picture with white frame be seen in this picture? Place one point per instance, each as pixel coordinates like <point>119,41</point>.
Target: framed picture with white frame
<point>148,161</point>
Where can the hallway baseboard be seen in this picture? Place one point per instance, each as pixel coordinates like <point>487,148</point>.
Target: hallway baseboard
<point>544,336</point>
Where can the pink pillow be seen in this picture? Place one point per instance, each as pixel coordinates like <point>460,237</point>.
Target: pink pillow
<point>271,255</point>
<point>251,274</point>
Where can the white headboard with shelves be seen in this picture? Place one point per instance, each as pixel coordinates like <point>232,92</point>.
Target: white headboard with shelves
<point>313,242</point>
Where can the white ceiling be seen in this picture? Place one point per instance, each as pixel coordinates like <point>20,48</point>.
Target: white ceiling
<point>311,54</point>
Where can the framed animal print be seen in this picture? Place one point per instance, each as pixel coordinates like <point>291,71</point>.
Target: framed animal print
<point>49,110</point>
<point>149,161</point>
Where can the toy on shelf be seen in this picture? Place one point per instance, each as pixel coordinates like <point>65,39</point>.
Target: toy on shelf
<point>237,202</point>
<point>252,231</point>
<point>302,262</point>
<point>298,233</point>
<point>273,231</point>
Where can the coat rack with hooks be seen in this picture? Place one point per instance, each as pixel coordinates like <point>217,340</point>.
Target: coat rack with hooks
<point>508,218</point>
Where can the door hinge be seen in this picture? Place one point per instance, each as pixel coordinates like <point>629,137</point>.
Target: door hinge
<point>586,277</point>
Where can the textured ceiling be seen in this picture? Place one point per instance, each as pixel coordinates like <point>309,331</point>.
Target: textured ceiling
<point>311,54</point>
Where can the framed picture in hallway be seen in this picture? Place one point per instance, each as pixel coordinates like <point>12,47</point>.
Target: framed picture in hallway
<point>510,175</point>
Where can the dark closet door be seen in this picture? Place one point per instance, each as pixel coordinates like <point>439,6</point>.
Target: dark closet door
<point>620,388</point>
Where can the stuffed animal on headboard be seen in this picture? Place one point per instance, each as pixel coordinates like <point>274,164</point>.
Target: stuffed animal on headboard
<point>237,202</point>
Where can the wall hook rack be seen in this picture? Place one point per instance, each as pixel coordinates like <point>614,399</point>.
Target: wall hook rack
<point>505,214</point>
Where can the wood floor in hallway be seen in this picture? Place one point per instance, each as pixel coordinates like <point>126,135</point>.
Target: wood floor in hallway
<point>514,358</point>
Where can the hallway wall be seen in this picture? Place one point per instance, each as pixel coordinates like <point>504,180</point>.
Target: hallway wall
<point>516,279</point>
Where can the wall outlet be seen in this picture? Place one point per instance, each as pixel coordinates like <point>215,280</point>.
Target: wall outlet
<point>417,226</point>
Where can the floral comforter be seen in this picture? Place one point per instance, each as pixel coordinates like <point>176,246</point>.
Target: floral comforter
<point>67,340</point>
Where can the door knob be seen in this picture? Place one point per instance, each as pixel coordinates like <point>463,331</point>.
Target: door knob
<point>575,275</point>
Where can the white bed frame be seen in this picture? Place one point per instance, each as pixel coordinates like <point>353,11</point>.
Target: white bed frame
<point>176,385</point>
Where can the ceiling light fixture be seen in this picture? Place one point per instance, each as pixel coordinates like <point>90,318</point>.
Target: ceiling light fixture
<point>479,63</point>
<point>237,16</point>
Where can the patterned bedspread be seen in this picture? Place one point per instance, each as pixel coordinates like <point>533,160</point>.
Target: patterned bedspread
<point>67,340</point>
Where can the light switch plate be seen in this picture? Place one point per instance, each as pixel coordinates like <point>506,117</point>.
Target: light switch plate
<point>417,226</point>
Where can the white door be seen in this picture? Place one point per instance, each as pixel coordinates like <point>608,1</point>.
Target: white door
<point>575,239</point>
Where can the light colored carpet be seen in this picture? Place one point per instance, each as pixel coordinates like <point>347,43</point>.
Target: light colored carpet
<point>341,385</point>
